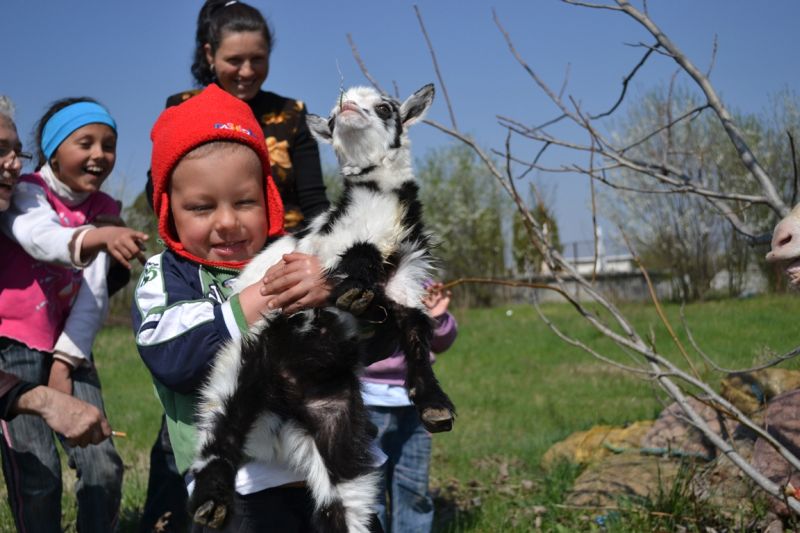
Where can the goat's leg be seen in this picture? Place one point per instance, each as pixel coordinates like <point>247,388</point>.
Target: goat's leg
<point>356,278</point>
<point>224,433</point>
<point>434,406</point>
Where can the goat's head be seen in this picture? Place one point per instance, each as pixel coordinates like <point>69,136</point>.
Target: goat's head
<point>786,245</point>
<point>368,129</point>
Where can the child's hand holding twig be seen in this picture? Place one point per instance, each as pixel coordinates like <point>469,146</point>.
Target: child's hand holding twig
<point>437,300</point>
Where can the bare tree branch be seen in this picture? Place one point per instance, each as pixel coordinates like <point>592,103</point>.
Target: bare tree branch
<point>596,309</point>
<point>747,156</point>
<point>566,80</point>
<point>794,167</point>
<point>361,65</point>
<point>691,115</point>
<point>625,82</point>
<point>591,5</point>
<point>713,57</point>
<point>436,68</point>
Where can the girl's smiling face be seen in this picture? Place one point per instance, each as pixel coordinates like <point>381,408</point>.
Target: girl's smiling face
<point>217,202</point>
<point>85,159</point>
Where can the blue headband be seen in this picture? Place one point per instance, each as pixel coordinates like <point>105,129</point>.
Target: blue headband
<point>69,119</point>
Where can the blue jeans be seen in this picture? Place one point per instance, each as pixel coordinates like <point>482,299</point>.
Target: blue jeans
<point>30,459</point>
<point>405,441</point>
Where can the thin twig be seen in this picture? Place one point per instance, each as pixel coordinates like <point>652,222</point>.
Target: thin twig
<point>794,167</point>
<point>772,362</point>
<point>657,305</point>
<point>713,57</point>
<point>362,66</point>
<point>436,68</point>
<point>595,236</point>
<point>691,114</point>
<point>566,80</point>
<point>625,82</point>
<point>593,6</point>
<point>506,283</point>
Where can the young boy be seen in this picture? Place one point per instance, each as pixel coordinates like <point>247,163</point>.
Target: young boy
<point>217,206</point>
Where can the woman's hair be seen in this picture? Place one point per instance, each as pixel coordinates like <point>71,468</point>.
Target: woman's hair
<point>217,17</point>
<point>6,107</point>
<point>54,108</point>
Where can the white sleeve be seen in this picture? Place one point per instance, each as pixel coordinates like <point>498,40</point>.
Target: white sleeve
<point>86,316</point>
<point>32,222</point>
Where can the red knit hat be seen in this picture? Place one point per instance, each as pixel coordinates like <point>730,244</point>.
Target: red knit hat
<point>212,115</point>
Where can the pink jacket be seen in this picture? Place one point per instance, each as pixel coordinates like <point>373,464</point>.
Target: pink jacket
<point>392,370</point>
<point>36,297</point>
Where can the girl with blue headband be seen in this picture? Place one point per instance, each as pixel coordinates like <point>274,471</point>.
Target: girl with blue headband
<point>59,239</point>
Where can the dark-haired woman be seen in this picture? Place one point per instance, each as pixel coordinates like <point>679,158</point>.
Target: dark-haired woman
<point>232,49</point>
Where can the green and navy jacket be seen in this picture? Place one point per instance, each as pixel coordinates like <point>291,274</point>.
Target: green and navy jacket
<point>183,312</point>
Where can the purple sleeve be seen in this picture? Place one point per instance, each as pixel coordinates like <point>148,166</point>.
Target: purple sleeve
<point>11,388</point>
<point>444,334</point>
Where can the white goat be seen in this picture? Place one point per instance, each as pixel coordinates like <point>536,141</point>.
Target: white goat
<point>290,391</point>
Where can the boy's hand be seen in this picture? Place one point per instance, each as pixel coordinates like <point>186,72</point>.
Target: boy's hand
<point>295,283</point>
<point>437,300</point>
<point>122,243</point>
<point>60,377</point>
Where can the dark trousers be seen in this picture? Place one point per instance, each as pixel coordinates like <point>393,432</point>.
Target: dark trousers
<point>166,490</point>
<point>31,464</point>
<point>275,510</point>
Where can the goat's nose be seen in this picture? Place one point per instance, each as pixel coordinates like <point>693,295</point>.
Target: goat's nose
<point>785,242</point>
<point>349,105</point>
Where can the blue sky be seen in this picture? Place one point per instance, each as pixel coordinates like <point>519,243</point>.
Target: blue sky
<point>131,55</point>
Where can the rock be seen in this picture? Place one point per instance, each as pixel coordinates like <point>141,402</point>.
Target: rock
<point>723,485</point>
<point>672,434</point>
<point>750,391</point>
<point>630,475</point>
<point>782,421</point>
<point>590,446</point>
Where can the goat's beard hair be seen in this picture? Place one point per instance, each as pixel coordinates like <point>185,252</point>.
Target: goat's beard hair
<point>360,147</point>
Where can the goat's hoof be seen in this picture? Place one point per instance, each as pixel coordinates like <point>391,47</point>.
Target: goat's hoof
<point>355,300</point>
<point>437,419</point>
<point>211,514</point>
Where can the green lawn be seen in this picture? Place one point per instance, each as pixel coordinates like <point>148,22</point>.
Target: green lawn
<point>518,390</point>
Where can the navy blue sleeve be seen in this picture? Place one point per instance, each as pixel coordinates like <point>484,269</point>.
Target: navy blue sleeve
<point>178,329</point>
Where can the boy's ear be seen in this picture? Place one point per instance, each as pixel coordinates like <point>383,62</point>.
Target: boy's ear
<point>319,128</point>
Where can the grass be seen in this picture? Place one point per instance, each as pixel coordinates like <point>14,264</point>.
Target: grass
<point>518,389</point>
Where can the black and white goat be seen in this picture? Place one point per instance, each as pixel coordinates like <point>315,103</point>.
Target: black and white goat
<point>290,391</point>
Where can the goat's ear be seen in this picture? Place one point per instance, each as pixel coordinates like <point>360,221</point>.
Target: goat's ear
<point>319,128</point>
<point>416,105</point>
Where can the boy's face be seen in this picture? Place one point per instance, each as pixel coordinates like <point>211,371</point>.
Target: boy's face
<point>218,205</point>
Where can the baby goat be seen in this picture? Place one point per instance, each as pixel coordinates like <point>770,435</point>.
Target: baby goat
<point>290,391</point>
